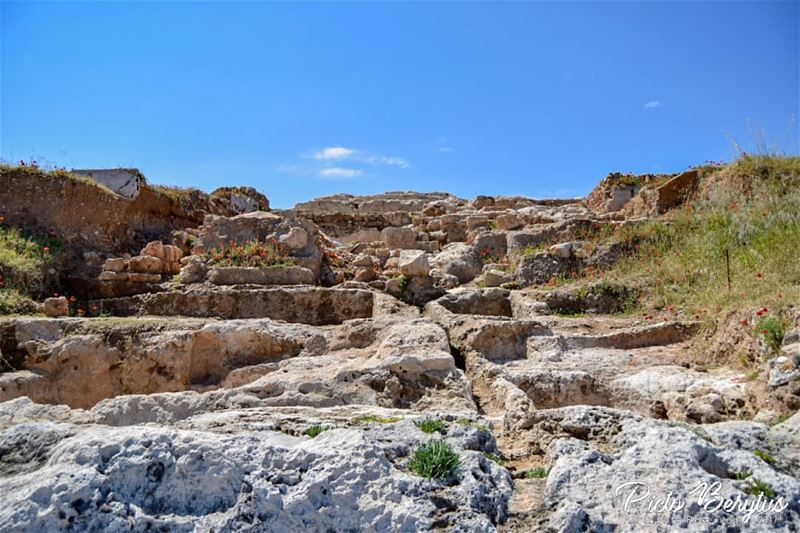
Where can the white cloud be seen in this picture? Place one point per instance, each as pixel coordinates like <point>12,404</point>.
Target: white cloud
<point>652,104</point>
<point>339,173</point>
<point>333,152</point>
<point>445,149</point>
<point>387,160</point>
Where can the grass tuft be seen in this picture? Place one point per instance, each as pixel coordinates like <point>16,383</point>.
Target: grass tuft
<point>759,487</point>
<point>435,459</point>
<point>772,329</point>
<point>539,472</point>
<point>315,430</point>
<point>764,456</point>
<point>26,261</point>
<point>430,425</point>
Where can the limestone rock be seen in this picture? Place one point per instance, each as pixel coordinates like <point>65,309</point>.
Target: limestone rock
<point>56,307</point>
<point>399,238</point>
<point>115,264</point>
<point>494,278</point>
<point>146,264</point>
<point>459,260</point>
<point>414,263</point>
<point>276,275</point>
<point>296,239</point>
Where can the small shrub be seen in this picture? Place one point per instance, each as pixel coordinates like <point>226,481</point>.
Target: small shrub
<point>760,487</point>
<point>430,425</point>
<point>539,472</point>
<point>467,422</point>
<point>772,329</point>
<point>530,251</point>
<point>495,458</point>
<point>26,261</point>
<point>435,459</point>
<point>253,253</point>
<point>315,430</point>
<point>368,419</point>
<point>764,456</point>
<point>11,301</point>
<point>402,282</point>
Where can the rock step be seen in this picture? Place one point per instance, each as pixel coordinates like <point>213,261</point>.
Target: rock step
<point>306,305</point>
<point>635,337</point>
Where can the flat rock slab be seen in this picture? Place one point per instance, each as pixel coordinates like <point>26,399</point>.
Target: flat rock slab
<point>276,275</point>
<point>307,305</point>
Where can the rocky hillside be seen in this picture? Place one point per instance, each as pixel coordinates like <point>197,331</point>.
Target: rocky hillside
<point>180,361</point>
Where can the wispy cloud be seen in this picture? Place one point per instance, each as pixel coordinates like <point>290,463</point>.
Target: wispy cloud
<point>387,160</point>
<point>336,173</point>
<point>653,104</point>
<point>443,145</point>
<point>333,152</point>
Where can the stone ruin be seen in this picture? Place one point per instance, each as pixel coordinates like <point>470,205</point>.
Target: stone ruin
<point>296,395</point>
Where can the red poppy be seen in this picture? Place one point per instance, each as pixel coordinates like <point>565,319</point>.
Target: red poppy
<point>744,322</point>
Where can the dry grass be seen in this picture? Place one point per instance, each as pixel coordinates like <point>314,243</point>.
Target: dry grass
<point>746,215</point>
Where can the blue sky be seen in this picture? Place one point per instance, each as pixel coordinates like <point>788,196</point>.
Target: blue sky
<point>306,99</point>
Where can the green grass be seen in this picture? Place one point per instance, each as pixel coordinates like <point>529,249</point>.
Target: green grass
<point>435,459</point>
<point>402,282</point>
<point>12,302</point>
<point>469,423</point>
<point>783,418</point>
<point>430,425</point>
<point>772,329</point>
<point>530,251</point>
<point>495,458</point>
<point>539,472</point>
<point>760,487</point>
<point>744,474</point>
<point>25,261</point>
<point>374,419</point>
<point>747,211</point>
<point>315,430</point>
<point>764,456</point>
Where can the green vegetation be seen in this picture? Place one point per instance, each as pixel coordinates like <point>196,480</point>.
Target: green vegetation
<point>315,430</point>
<point>760,487</point>
<point>435,459</point>
<point>495,458</point>
<point>772,329</point>
<point>177,194</point>
<point>369,419</point>
<point>530,251</point>
<point>744,215</point>
<point>253,253</point>
<point>764,456</point>
<point>467,422</point>
<point>11,301</point>
<point>539,472</point>
<point>430,425</point>
<point>783,418</point>
<point>402,282</point>
<point>744,474</point>
<point>26,261</point>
